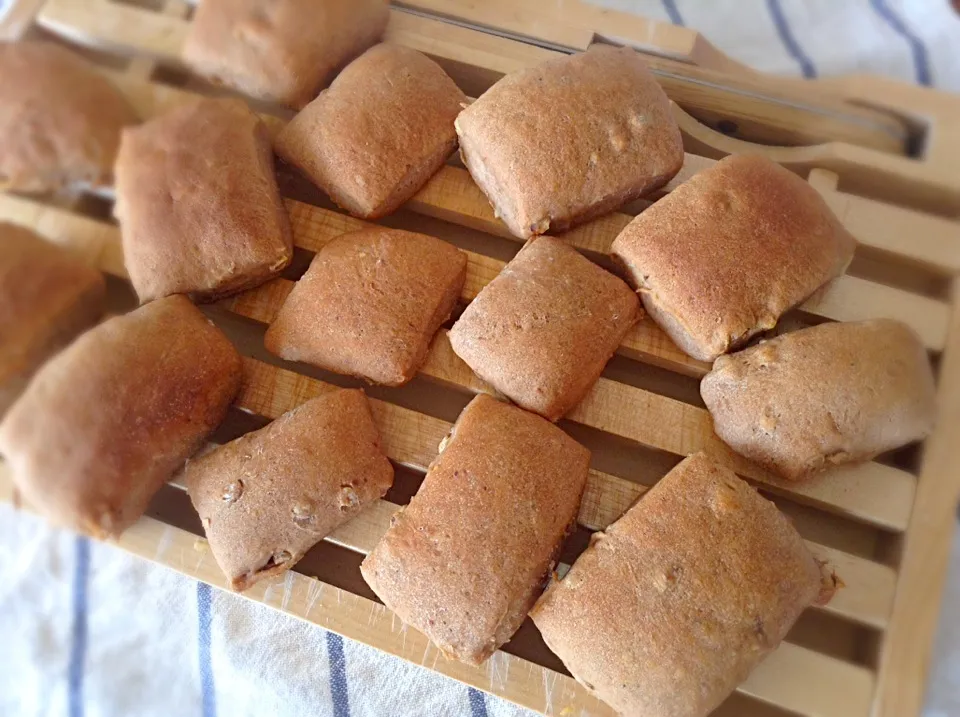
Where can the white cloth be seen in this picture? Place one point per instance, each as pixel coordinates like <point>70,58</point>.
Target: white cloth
<point>89,631</point>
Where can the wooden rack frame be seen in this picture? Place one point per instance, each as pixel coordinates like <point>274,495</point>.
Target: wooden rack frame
<point>886,525</point>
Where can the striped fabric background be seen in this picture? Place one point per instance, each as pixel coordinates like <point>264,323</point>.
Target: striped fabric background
<point>90,632</point>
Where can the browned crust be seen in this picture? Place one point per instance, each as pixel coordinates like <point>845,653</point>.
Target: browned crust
<point>47,297</point>
<point>724,255</point>
<point>106,422</point>
<point>823,396</point>
<point>266,498</point>
<point>370,304</point>
<point>380,131</point>
<point>206,223</point>
<point>542,331</point>
<point>570,139</point>
<point>465,560</point>
<point>671,608</point>
<point>60,119</point>
<point>283,50</point>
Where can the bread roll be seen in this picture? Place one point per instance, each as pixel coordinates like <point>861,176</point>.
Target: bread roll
<point>466,559</point>
<point>60,119</point>
<point>47,297</point>
<point>542,331</point>
<point>381,130</point>
<point>570,139</point>
<point>673,605</point>
<point>268,497</point>
<point>370,304</point>
<point>724,255</point>
<point>106,422</point>
<point>823,396</point>
<point>280,50</point>
<point>198,203</point>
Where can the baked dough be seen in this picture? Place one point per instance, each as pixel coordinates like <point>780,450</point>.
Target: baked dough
<point>380,131</point>
<point>673,605</point>
<point>268,497</point>
<point>47,297</point>
<point>280,50</point>
<point>464,562</point>
<point>544,328</point>
<point>370,304</point>
<point>106,422</point>
<point>725,254</point>
<point>823,396</point>
<point>198,203</point>
<point>60,119</point>
<point>570,139</point>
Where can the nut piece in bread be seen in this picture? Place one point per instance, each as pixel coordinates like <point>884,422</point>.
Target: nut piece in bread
<point>47,297</point>
<point>268,497</point>
<point>198,203</point>
<point>280,50</point>
<point>60,119</point>
<point>570,139</point>
<point>464,562</point>
<point>370,304</point>
<point>823,396</point>
<point>380,131</point>
<point>724,255</point>
<point>544,328</point>
<point>106,422</point>
<point>673,605</point>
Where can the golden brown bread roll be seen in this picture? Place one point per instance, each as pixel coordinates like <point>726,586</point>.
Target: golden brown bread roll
<point>47,297</point>
<point>268,497</point>
<point>724,255</point>
<point>60,119</point>
<point>673,605</point>
<point>823,396</point>
<point>380,131</point>
<point>542,331</point>
<point>280,50</point>
<point>106,422</point>
<point>466,559</point>
<point>570,139</point>
<point>369,304</point>
<point>198,203</point>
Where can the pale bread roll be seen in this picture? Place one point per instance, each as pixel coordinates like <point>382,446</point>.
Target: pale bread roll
<point>280,50</point>
<point>198,203</point>
<point>823,396</point>
<point>47,297</point>
<point>106,422</point>
<point>674,604</point>
<point>570,139</point>
<point>378,133</point>
<point>269,496</point>
<point>464,562</point>
<point>60,119</point>
<point>725,254</point>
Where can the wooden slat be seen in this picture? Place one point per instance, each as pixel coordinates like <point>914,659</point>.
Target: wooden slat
<point>871,492</point>
<point>843,689</point>
<point>906,647</point>
<point>931,241</point>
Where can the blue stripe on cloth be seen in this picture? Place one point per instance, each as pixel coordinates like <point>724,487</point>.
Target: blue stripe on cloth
<point>788,40</point>
<point>338,675</point>
<point>204,612</point>
<point>921,61</point>
<point>78,645</point>
<point>673,12</point>
<point>478,703</point>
